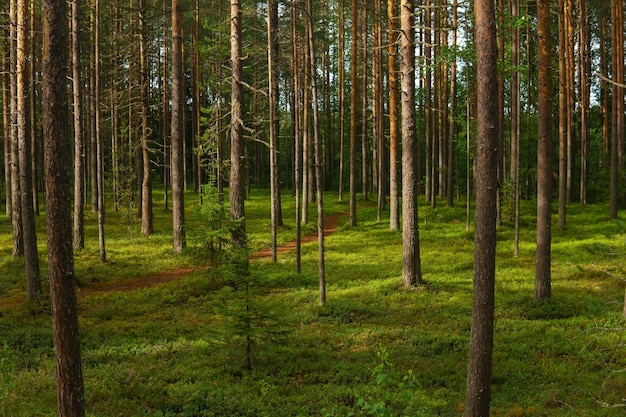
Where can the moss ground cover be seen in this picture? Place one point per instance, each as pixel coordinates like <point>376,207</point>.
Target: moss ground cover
<point>374,349</point>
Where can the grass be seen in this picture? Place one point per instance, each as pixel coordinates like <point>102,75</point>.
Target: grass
<point>374,349</point>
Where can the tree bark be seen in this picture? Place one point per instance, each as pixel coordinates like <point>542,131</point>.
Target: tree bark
<point>99,151</point>
<point>563,122</point>
<point>353,112</point>
<point>487,159</point>
<point>617,114</point>
<point>79,151</point>
<point>544,154</point>
<point>31,257</point>
<point>515,123</point>
<point>16,205</point>
<point>392,64</point>
<point>70,392</point>
<point>411,264</point>
<point>341,95</point>
<point>147,227</point>
<point>237,165</point>
<point>6,120</point>
<point>272,56</point>
<point>318,157</point>
<point>177,138</point>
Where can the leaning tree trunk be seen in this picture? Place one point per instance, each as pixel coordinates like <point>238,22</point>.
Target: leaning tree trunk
<point>487,161</point>
<point>544,154</point>
<point>70,392</point>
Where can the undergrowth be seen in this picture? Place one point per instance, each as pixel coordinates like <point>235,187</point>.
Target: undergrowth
<point>375,349</point>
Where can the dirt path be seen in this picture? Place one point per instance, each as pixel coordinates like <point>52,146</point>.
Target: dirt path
<point>330,227</point>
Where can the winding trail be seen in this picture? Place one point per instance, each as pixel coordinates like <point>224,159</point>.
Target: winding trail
<point>331,223</point>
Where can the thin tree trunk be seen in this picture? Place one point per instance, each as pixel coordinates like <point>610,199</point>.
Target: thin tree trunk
<point>237,165</point>
<point>584,73</point>
<point>341,96</point>
<point>411,264</point>
<point>563,127</point>
<point>147,227</point>
<point>6,119</point>
<point>295,77</point>
<point>392,64</point>
<point>379,105</point>
<point>99,145</point>
<point>93,164</point>
<point>515,123</point>
<point>16,210</point>
<point>452,114</point>
<point>177,173</point>
<point>318,158</point>
<point>364,107</point>
<point>272,51</point>
<point>79,152</point>
<point>617,30</point>
<point>31,258</point>
<point>544,154</point>
<point>353,113</point>
<point>487,161</point>
<point>70,391</point>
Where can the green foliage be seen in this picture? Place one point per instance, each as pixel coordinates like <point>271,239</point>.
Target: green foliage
<point>179,348</point>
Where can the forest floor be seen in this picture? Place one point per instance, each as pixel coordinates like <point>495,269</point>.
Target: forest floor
<point>142,282</point>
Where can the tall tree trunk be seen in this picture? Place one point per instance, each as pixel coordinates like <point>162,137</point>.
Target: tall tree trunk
<point>411,264</point>
<point>501,41</point>
<point>452,114</point>
<point>98,136</point>
<point>237,165</point>
<point>515,123</point>
<point>16,210</point>
<point>272,56</point>
<point>318,157</point>
<point>79,151</point>
<point>428,103</point>
<point>544,153</point>
<point>487,160</point>
<point>31,258</point>
<point>617,124</point>
<point>563,123</point>
<point>70,391</point>
<point>295,80</point>
<point>93,165</point>
<point>379,112</point>
<point>6,119</point>
<point>392,64</point>
<point>341,95</point>
<point>147,227</point>
<point>353,112</point>
<point>177,138</point>
<point>571,94</point>
<point>585,92</point>
<point>364,107</point>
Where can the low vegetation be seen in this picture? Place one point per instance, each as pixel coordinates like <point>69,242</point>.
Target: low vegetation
<point>179,348</point>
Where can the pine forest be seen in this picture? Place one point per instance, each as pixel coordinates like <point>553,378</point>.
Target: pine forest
<point>312,208</point>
